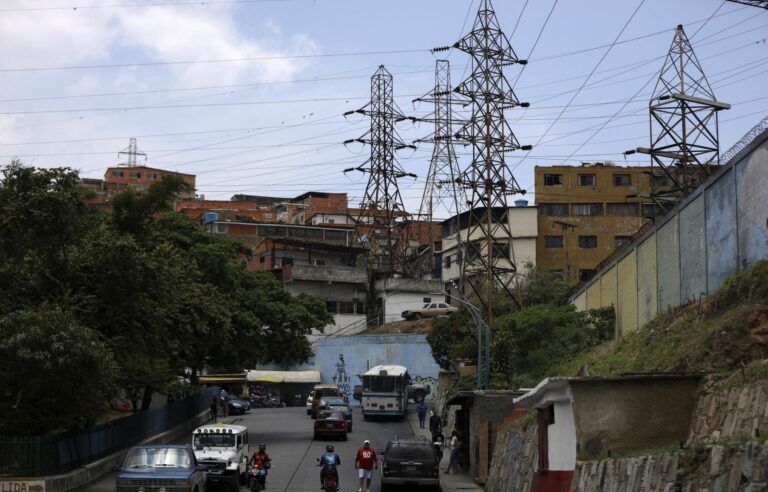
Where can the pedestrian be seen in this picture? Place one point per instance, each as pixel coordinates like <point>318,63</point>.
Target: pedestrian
<point>214,408</point>
<point>435,425</point>
<point>366,461</point>
<point>422,411</point>
<point>455,444</point>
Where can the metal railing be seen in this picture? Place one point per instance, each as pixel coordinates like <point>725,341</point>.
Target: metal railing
<point>52,455</point>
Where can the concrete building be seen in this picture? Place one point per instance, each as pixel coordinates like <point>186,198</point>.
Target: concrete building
<point>586,213</point>
<point>395,295</point>
<point>590,418</point>
<point>138,178</point>
<point>521,247</point>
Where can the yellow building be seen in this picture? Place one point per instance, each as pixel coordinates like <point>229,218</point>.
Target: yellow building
<point>587,212</point>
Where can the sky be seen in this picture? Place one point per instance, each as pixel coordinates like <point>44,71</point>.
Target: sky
<point>249,95</point>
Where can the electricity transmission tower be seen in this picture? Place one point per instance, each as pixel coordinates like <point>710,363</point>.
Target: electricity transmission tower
<point>488,263</point>
<point>132,151</point>
<point>441,192</point>
<point>382,223</point>
<point>683,125</point>
<point>753,3</point>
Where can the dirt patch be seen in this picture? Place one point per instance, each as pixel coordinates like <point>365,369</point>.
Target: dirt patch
<point>423,325</point>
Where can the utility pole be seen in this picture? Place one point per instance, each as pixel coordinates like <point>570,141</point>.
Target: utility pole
<point>683,125</point>
<point>382,225</point>
<point>132,151</point>
<point>441,191</point>
<point>488,263</point>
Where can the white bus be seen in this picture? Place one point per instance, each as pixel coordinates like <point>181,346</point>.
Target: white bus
<point>385,391</point>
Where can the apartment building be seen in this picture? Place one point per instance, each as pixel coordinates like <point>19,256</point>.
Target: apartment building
<point>587,212</point>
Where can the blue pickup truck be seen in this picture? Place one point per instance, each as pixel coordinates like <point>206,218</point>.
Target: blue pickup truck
<point>152,468</point>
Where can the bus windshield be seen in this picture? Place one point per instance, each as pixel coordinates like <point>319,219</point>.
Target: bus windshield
<point>380,384</point>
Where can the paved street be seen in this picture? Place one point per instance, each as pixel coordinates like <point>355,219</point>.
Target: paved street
<point>287,433</point>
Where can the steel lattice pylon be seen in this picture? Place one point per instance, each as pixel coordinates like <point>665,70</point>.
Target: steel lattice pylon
<point>381,225</point>
<point>683,125</point>
<point>132,151</point>
<point>441,192</point>
<point>488,262</point>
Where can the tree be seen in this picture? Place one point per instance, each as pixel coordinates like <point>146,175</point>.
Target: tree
<point>57,374</point>
<point>451,338</point>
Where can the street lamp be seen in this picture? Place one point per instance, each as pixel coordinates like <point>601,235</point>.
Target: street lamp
<point>481,329</point>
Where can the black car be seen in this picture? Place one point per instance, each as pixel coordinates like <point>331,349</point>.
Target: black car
<point>410,462</point>
<point>339,405</point>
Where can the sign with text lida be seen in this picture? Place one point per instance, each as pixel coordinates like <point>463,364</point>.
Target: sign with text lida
<point>21,485</point>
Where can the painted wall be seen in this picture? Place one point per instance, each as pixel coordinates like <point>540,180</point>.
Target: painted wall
<point>668,264</point>
<point>626,310</point>
<point>646,281</point>
<point>562,438</point>
<point>362,352</point>
<point>720,228</point>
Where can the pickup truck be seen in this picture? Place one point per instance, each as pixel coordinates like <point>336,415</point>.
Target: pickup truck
<point>174,466</point>
<point>430,310</point>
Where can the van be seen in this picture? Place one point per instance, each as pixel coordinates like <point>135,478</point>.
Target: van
<point>321,390</point>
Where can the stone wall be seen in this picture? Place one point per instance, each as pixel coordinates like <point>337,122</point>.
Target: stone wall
<point>728,411</point>
<point>696,469</point>
<point>514,459</point>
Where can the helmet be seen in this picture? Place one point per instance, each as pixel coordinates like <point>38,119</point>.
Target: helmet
<point>329,448</point>
<point>366,443</point>
<point>262,447</point>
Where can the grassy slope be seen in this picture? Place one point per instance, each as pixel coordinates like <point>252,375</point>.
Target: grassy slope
<point>725,332</point>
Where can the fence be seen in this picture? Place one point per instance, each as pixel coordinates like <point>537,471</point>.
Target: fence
<point>52,455</point>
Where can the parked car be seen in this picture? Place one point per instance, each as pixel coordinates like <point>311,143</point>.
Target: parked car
<point>224,450</point>
<point>237,406</point>
<point>330,423</point>
<point>321,390</point>
<point>410,462</point>
<point>333,403</point>
<point>309,405</point>
<point>174,466</point>
<point>418,392</point>
<point>429,311</point>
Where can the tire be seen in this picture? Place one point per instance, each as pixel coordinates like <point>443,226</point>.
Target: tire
<point>349,429</point>
<point>317,437</point>
<point>309,412</point>
<point>344,438</point>
<point>234,484</point>
<point>416,316</point>
<point>419,396</point>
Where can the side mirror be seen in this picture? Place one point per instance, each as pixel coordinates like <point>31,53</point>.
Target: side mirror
<point>380,451</point>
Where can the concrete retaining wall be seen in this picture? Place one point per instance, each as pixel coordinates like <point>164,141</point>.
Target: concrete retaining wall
<point>720,228</point>
<point>514,459</point>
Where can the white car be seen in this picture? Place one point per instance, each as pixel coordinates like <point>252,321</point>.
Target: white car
<point>430,310</point>
<point>224,450</point>
<point>309,405</point>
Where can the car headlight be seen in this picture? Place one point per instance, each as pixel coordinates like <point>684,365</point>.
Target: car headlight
<point>235,404</point>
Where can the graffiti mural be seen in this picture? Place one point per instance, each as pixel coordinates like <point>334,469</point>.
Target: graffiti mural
<point>428,382</point>
<point>341,378</point>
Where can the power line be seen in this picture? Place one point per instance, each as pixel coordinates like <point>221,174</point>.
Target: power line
<point>199,3</point>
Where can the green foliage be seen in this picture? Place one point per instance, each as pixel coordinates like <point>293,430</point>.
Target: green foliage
<point>57,374</point>
<point>146,289</point>
<point>545,287</point>
<point>451,339</point>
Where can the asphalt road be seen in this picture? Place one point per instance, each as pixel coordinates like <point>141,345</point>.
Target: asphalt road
<point>287,432</point>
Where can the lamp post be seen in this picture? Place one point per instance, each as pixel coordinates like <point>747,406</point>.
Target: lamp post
<point>482,330</point>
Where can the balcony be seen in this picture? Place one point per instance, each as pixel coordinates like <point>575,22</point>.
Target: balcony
<point>325,273</point>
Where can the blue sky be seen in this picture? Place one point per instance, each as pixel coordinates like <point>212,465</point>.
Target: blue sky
<point>274,126</point>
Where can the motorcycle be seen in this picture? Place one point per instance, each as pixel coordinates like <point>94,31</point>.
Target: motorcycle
<point>257,476</point>
<point>264,401</point>
<point>331,478</point>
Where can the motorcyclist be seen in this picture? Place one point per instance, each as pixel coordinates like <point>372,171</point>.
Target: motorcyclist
<point>329,459</point>
<point>261,458</point>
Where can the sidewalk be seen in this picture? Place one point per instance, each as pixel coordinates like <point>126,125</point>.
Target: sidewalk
<point>448,483</point>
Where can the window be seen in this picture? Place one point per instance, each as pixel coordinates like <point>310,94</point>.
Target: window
<point>587,180</point>
<point>134,175</point>
<point>331,221</point>
<point>117,174</point>
<point>335,235</point>
<point>220,228</point>
<point>320,262</point>
<point>331,307</point>
<point>499,250</point>
<point>622,180</point>
<point>553,241</point>
<point>587,209</point>
<point>623,209</point>
<point>585,275</point>
<point>346,307</point>
<point>553,179</point>
<point>651,210</point>
<point>426,300</point>
<point>448,261</point>
<point>553,209</point>
<point>621,241</point>
<point>660,181</point>
<point>287,261</point>
<point>587,242</point>
<point>152,175</point>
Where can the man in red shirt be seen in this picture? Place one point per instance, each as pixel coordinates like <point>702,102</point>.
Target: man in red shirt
<point>366,461</point>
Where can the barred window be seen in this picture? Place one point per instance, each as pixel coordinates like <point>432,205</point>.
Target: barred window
<point>623,209</point>
<point>587,179</point>
<point>587,209</point>
<point>553,179</point>
<point>553,241</point>
<point>587,242</point>
<point>553,209</point>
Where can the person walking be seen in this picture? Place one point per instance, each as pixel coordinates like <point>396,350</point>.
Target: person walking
<point>214,408</point>
<point>435,425</point>
<point>455,449</point>
<point>421,409</point>
<point>366,461</point>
